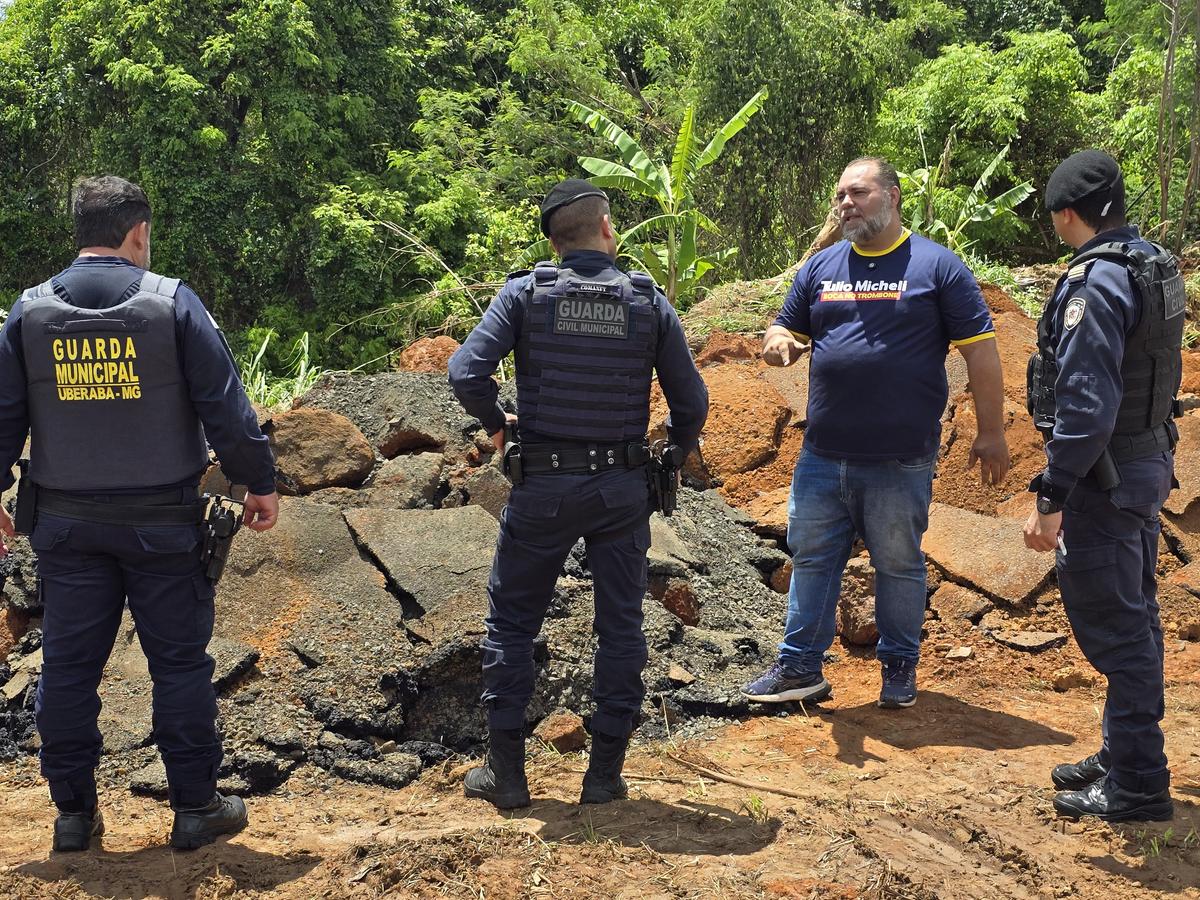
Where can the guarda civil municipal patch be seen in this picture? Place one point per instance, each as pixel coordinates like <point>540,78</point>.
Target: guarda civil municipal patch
<point>1073,314</point>
<point>591,315</point>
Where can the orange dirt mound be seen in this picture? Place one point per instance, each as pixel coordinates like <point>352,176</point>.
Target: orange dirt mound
<point>427,355</point>
<point>722,347</point>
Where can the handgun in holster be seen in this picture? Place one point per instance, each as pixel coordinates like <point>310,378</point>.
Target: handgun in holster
<point>25,510</point>
<point>513,469</point>
<point>666,462</point>
<point>221,523</point>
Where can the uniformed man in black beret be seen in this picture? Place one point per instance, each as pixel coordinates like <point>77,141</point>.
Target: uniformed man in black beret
<point>588,340</point>
<point>1102,392</point>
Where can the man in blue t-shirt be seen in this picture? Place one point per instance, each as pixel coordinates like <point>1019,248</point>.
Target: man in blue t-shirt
<point>880,310</point>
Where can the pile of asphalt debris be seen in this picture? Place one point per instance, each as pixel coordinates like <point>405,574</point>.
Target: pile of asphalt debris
<point>348,636</point>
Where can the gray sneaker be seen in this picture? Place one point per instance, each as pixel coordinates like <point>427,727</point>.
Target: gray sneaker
<point>778,685</point>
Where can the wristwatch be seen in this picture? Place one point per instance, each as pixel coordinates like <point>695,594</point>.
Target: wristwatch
<point>1051,498</point>
<point>1046,506</point>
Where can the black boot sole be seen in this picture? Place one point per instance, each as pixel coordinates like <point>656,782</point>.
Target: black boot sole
<point>1162,811</point>
<point>510,800</point>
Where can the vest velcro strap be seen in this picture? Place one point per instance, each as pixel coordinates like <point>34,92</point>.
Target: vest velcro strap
<point>590,458</point>
<point>56,503</point>
<point>1151,442</point>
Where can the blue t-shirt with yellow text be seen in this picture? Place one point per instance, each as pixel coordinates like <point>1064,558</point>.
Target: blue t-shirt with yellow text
<point>881,325</point>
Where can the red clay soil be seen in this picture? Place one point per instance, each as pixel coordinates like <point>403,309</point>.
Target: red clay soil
<point>427,355</point>
<point>1191,372</point>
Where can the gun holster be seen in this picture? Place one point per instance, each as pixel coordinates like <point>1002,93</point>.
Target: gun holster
<point>25,510</point>
<point>221,522</point>
<point>666,461</point>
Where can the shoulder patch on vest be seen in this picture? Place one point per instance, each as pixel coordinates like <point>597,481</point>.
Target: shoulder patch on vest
<point>1077,274</point>
<point>1073,314</point>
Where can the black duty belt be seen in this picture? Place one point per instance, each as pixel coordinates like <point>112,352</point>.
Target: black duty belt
<point>585,458</point>
<point>140,509</point>
<point>1160,439</point>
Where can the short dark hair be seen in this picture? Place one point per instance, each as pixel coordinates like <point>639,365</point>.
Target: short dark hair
<point>885,171</point>
<point>105,208</point>
<point>1091,209</point>
<point>574,223</point>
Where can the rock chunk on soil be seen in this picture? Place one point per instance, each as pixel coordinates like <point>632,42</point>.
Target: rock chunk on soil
<point>488,488</point>
<point>316,448</point>
<point>1070,677</point>
<point>987,554</point>
<point>440,558</point>
<point>406,481</point>
<point>677,598</point>
<point>954,602</point>
<point>745,420</point>
<point>856,605</point>
<point>399,412</point>
<point>563,731</point>
<point>1030,641</point>
<point>668,555</point>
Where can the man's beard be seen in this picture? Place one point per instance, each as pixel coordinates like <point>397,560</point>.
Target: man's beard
<point>866,227</point>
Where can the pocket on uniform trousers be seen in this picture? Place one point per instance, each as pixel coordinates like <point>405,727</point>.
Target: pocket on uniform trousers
<point>1085,559</point>
<point>619,496</point>
<point>48,534</point>
<point>1135,494</point>
<point>532,505</point>
<point>167,538</point>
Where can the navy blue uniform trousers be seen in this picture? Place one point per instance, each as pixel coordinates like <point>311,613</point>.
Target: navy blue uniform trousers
<point>87,571</point>
<point>1108,589</point>
<point>544,518</point>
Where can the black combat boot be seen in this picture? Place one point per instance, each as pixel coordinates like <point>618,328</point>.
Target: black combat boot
<point>501,779</point>
<point>202,825</point>
<point>73,831</point>
<point>602,782</point>
<point>1106,800</point>
<point>1077,776</point>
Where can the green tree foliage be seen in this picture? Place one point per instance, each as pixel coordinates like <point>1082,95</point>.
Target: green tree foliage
<point>1027,96</point>
<point>366,172</point>
<point>245,122</point>
<point>678,262</point>
<point>946,215</point>
<point>826,66</point>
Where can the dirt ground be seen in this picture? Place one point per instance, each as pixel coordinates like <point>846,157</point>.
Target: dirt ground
<point>950,799</point>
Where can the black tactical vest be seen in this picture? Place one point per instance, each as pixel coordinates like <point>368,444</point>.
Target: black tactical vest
<point>585,355</point>
<point>108,402</point>
<point>1152,367</point>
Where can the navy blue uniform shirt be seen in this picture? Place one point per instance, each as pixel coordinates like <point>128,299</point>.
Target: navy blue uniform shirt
<point>1089,353</point>
<point>496,335</point>
<point>215,387</point>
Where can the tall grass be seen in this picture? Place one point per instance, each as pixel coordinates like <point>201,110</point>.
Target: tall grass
<point>268,389</point>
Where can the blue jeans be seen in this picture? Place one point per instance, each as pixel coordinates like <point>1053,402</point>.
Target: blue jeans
<point>887,503</point>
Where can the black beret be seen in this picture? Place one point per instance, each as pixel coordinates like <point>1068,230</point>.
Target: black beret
<point>1081,175</point>
<point>564,194</point>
